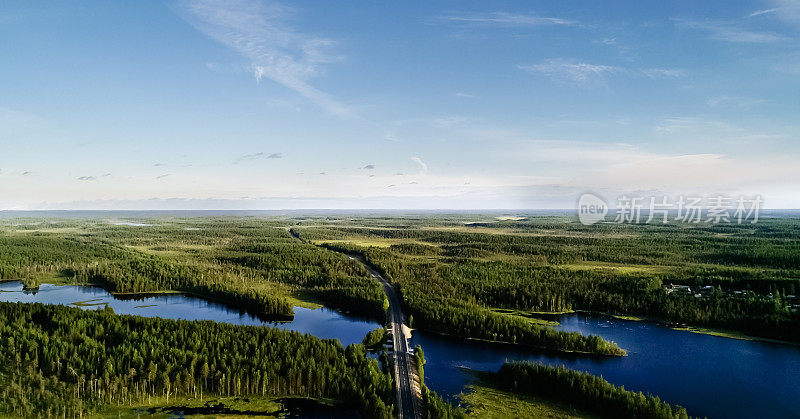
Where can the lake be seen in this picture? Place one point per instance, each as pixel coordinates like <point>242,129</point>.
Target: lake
<point>322,322</point>
<point>709,376</point>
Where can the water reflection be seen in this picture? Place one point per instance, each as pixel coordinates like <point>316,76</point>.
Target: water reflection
<point>323,322</point>
<point>710,376</point>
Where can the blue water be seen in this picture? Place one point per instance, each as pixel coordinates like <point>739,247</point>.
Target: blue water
<point>709,376</point>
<point>322,322</point>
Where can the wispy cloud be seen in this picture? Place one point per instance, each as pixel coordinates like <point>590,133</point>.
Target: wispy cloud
<point>449,121</point>
<point>713,131</point>
<point>791,66</point>
<point>575,71</point>
<point>660,73</point>
<point>787,10</point>
<point>87,178</point>
<point>259,32</point>
<point>730,31</point>
<point>561,69</point>
<point>256,156</point>
<point>163,176</point>
<point>762,12</point>
<point>504,19</point>
<point>740,102</point>
<point>390,136</point>
<point>422,166</point>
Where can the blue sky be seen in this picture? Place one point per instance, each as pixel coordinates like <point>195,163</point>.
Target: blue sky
<point>313,104</point>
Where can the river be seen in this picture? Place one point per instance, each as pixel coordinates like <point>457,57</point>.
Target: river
<point>321,322</point>
<point>708,375</point>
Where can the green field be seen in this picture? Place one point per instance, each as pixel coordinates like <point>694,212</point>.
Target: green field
<point>483,401</point>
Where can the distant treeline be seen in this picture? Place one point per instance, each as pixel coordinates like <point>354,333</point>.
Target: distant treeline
<point>582,390</point>
<point>453,278</point>
<point>772,244</point>
<point>65,362</point>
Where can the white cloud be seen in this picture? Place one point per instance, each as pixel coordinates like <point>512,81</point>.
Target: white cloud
<point>656,73</point>
<point>713,132</point>
<point>689,124</point>
<point>535,174</point>
<point>788,10</point>
<point>790,67</point>
<point>740,102</point>
<point>580,152</point>
<point>259,32</point>
<point>449,121</point>
<point>259,155</point>
<point>17,125</point>
<point>574,71</point>
<point>581,72</point>
<point>504,19</point>
<point>762,12</point>
<point>422,166</point>
<point>619,168</point>
<point>695,173</point>
<point>729,31</point>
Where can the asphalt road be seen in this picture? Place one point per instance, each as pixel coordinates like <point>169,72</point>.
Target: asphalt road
<point>406,406</point>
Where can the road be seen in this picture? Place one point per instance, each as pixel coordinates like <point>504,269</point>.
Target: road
<point>408,404</point>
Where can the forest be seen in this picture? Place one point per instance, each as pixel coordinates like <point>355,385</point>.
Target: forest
<point>488,280</point>
<point>253,264</point>
<point>431,310</point>
<point>456,276</point>
<point>60,361</point>
<point>582,390</point>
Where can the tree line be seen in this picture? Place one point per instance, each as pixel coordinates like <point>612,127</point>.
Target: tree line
<point>582,390</point>
<point>60,361</point>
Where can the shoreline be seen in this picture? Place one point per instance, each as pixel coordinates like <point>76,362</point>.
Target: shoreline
<point>519,345</point>
<point>721,333</point>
